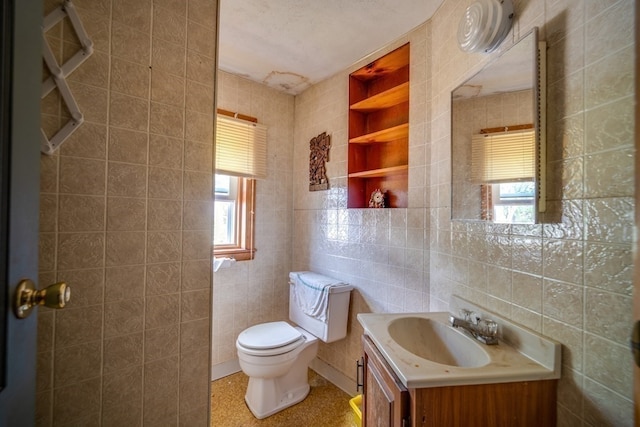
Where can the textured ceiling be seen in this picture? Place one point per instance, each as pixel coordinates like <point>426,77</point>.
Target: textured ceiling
<point>291,44</point>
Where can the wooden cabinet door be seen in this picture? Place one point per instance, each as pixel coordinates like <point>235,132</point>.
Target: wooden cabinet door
<point>386,399</point>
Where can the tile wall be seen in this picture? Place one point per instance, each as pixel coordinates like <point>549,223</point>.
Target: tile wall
<point>252,292</point>
<point>126,219</point>
<point>569,278</point>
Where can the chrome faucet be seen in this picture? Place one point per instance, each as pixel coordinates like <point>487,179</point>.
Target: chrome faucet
<point>484,330</point>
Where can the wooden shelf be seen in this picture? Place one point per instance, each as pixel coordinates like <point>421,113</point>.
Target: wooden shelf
<point>385,65</point>
<point>377,173</point>
<point>379,131</point>
<point>388,98</point>
<point>384,135</point>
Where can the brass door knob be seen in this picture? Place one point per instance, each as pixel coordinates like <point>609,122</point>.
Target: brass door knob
<point>27,297</point>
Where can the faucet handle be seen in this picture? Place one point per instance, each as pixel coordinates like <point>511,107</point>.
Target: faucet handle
<point>466,314</point>
<point>490,327</point>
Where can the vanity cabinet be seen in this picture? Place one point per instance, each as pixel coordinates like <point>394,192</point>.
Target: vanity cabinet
<point>387,402</point>
<point>379,130</point>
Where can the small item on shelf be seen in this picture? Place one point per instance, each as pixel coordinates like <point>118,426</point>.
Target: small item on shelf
<point>377,199</point>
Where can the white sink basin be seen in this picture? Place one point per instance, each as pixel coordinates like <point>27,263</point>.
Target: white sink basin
<point>437,342</point>
<point>424,350</point>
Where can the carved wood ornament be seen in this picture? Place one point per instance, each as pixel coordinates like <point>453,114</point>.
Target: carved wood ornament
<point>318,156</point>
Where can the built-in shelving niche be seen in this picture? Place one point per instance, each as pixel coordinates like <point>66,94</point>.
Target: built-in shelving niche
<point>379,130</point>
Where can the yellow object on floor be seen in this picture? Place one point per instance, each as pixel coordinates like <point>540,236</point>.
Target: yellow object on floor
<point>356,405</point>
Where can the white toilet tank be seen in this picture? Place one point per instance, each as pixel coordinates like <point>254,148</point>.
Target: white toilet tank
<point>335,326</point>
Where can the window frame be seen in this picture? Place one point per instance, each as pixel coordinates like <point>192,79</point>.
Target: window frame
<point>244,248</point>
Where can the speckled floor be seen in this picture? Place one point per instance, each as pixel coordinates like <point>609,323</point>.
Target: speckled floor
<point>325,406</point>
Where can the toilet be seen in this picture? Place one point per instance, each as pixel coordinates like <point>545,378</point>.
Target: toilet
<point>276,355</point>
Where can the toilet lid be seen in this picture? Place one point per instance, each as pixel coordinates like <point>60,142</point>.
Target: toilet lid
<point>268,335</point>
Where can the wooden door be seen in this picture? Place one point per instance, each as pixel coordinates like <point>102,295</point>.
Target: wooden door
<point>386,400</point>
<point>20,81</point>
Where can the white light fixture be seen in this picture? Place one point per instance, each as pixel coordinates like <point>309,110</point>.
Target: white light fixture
<point>484,25</point>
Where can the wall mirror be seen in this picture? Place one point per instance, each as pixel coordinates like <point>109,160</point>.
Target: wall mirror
<point>498,140</point>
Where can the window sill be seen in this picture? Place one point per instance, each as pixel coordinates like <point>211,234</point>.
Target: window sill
<point>236,253</point>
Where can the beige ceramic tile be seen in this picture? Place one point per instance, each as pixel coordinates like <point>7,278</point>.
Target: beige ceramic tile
<point>563,302</point>
<point>128,112</point>
<point>167,88</point>
<point>195,305</point>
<point>602,364</point>
<point>166,120</point>
<point>162,310</point>
<point>78,326</point>
<point>165,152</point>
<point>197,185</point>
<point>196,245</point>
<point>134,14</point>
<point>130,78</point>
<point>196,275</point>
<point>163,246</point>
<point>81,213</point>
<point>80,250</point>
<point>175,6</point>
<point>202,12</point>
<point>87,286</point>
<point>77,363</point>
<point>161,342</point>
<point>125,248</point>
<point>92,102</point>
<point>165,183</point>
<point>163,279</point>
<point>130,43</point>
<point>609,267</point>
<point>197,215</point>
<point>125,214</point>
<point>122,352</point>
<point>169,57</point>
<point>164,214</point>
<point>86,402</point>
<point>194,381</point>
<point>615,326</point>
<point>122,398</point>
<point>88,140</point>
<point>610,78</point>
<point>605,406</point>
<point>199,98</point>
<point>169,26</point>
<point>82,176</point>
<point>123,316</point>
<point>124,282</point>
<point>200,68</point>
<point>126,180</point>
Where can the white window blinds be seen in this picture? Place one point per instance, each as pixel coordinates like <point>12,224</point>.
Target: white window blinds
<point>241,148</point>
<point>503,156</point>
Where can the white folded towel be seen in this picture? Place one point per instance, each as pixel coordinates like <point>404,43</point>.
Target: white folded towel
<point>311,293</point>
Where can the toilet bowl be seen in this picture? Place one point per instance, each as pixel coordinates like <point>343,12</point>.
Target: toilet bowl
<point>276,355</point>
<point>277,372</point>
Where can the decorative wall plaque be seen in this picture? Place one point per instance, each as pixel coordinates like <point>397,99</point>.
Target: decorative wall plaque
<point>318,156</point>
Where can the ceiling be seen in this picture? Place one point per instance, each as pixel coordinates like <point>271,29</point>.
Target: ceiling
<point>290,45</point>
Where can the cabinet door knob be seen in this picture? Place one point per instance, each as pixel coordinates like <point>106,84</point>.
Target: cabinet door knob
<point>27,297</point>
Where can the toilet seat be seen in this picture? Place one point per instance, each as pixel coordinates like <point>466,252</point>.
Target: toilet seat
<point>269,339</point>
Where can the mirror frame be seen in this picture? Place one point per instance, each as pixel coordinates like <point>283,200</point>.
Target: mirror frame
<point>539,84</point>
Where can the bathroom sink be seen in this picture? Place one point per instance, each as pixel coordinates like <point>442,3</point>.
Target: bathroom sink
<point>424,350</point>
<point>437,342</point>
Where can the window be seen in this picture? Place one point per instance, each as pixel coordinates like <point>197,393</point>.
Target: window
<point>234,217</point>
<point>240,159</point>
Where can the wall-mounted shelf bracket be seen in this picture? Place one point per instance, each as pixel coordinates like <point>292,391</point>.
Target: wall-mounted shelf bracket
<point>59,73</point>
